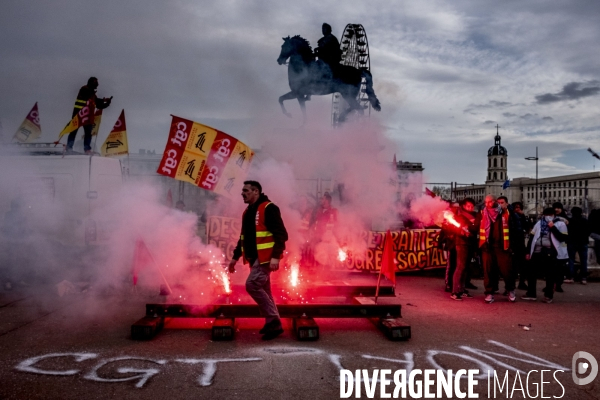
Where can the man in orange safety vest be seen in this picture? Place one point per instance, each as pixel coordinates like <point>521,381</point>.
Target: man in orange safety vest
<point>261,245</point>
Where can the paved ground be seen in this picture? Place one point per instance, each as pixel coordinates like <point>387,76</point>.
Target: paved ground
<point>88,334</point>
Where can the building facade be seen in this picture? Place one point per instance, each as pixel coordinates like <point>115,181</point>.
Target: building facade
<point>577,190</point>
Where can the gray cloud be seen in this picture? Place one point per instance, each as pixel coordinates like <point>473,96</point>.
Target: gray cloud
<point>508,115</point>
<point>490,104</point>
<point>547,119</point>
<point>571,91</point>
<point>527,116</point>
<point>489,122</point>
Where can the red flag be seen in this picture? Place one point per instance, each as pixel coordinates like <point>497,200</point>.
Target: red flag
<point>388,267</point>
<point>429,192</point>
<point>141,258</point>
<point>169,202</point>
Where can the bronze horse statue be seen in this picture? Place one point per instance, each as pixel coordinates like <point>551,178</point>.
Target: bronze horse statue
<point>309,77</point>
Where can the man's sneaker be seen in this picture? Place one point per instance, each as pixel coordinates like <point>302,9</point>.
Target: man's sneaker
<point>547,300</point>
<point>456,297</point>
<point>568,281</point>
<point>489,298</point>
<point>272,334</point>
<point>583,282</point>
<point>528,298</point>
<point>467,295</point>
<point>269,326</point>
<point>512,297</point>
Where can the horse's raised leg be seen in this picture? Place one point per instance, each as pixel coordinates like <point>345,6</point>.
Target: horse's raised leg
<point>353,104</point>
<point>302,102</point>
<point>287,96</point>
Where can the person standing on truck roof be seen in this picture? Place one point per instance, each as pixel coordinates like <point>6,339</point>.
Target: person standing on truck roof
<point>87,92</point>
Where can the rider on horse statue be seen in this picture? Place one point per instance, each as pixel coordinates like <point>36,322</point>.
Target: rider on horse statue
<point>328,49</point>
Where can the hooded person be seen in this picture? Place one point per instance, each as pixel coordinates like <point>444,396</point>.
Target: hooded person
<point>261,244</point>
<point>547,250</point>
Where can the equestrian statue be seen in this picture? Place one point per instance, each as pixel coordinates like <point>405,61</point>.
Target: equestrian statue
<point>308,76</point>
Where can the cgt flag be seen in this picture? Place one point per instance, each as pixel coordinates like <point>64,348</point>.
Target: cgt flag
<point>97,120</point>
<point>80,119</point>
<point>30,129</point>
<point>205,157</point>
<point>429,193</point>
<point>116,142</point>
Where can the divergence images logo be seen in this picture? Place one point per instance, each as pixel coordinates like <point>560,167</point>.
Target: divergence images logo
<point>583,367</point>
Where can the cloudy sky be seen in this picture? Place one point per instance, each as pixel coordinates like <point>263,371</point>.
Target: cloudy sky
<point>445,72</point>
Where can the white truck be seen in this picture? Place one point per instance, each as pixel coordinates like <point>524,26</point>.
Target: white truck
<point>57,194</point>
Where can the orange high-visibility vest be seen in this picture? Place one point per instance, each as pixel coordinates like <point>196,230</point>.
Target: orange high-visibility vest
<point>264,238</point>
<point>505,232</point>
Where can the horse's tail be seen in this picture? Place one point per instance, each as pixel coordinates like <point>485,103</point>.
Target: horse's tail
<point>370,92</point>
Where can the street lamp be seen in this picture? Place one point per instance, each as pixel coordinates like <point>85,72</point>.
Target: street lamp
<point>536,158</point>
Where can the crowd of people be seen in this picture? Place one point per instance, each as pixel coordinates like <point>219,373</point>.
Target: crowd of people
<point>508,244</point>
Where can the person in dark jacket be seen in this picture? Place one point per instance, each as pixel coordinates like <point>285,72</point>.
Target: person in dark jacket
<point>577,243</point>
<point>86,93</point>
<point>261,244</point>
<point>520,226</point>
<point>447,242</point>
<point>465,243</point>
<point>594,221</point>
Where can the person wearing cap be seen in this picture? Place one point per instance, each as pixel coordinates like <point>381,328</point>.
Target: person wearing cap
<point>547,250</point>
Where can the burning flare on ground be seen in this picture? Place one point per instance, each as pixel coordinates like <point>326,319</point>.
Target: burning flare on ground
<point>226,283</point>
<point>342,255</point>
<point>294,272</point>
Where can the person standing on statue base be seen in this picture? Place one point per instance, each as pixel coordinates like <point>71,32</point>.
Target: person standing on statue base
<point>261,244</point>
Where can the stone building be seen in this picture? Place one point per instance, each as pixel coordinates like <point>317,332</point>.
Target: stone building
<point>581,190</point>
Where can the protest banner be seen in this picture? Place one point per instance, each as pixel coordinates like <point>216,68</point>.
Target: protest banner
<point>414,249</point>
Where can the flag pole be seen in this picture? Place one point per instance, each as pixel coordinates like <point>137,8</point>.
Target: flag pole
<point>378,282</point>
<point>158,267</point>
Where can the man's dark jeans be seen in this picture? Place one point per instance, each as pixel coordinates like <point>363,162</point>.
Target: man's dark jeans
<point>544,263</point>
<point>582,250</point>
